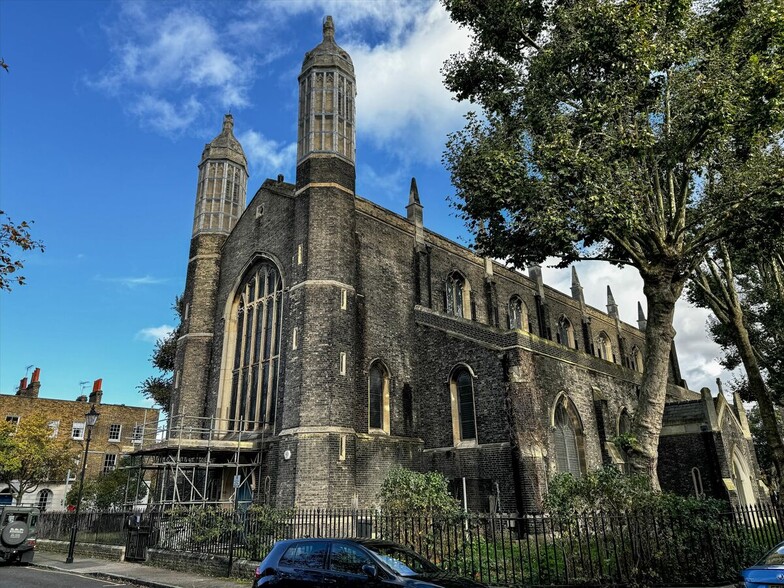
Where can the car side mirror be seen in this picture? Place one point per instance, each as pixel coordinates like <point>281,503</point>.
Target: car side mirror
<point>370,570</point>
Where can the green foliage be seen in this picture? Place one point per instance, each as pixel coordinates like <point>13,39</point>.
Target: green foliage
<point>404,491</point>
<point>625,441</point>
<point>159,387</point>
<point>17,236</point>
<point>635,132</point>
<point>108,491</point>
<point>604,489</point>
<point>30,455</point>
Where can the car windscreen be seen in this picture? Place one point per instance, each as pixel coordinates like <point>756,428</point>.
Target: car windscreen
<point>774,558</point>
<point>403,561</point>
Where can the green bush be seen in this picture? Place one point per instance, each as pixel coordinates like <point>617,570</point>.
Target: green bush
<point>404,491</point>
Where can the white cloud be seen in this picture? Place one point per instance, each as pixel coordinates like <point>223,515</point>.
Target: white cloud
<point>133,282</point>
<point>158,56</point>
<point>152,334</point>
<point>165,116</point>
<point>267,157</point>
<point>401,102</point>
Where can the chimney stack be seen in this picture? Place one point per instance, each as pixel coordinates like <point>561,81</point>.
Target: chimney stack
<point>30,390</point>
<point>97,393</point>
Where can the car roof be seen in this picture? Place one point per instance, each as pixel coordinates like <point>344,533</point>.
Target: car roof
<point>361,540</point>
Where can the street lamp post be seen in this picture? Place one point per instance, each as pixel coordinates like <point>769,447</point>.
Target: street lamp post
<point>91,418</point>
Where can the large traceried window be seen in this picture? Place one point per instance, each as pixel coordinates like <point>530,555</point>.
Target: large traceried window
<point>458,298</point>
<point>378,397</point>
<point>568,438</point>
<point>461,391</point>
<point>518,314</point>
<point>566,333</point>
<point>255,332</point>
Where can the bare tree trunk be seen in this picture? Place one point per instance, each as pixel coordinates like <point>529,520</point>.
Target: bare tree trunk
<point>661,291</point>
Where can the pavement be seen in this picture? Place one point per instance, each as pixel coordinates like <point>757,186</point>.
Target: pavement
<point>132,573</point>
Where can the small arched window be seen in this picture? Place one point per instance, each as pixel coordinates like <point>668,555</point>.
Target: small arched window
<point>378,397</point>
<point>635,359</point>
<point>45,499</point>
<point>604,347</point>
<point>566,333</point>
<point>624,422</point>
<point>461,388</point>
<point>255,349</point>
<point>568,438</point>
<point>458,300</point>
<point>741,474</point>
<point>518,314</point>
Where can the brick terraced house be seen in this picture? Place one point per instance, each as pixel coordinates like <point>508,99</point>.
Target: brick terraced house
<point>118,432</point>
<point>326,339</point>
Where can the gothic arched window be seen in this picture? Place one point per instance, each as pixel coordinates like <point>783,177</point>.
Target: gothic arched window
<point>635,359</point>
<point>604,347</point>
<point>566,333</point>
<point>457,295</point>
<point>624,422</point>
<point>254,333</point>
<point>568,438</point>
<point>461,391</point>
<point>378,397</point>
<point>518,314</point>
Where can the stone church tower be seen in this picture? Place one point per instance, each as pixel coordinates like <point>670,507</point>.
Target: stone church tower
<point>220,200</point>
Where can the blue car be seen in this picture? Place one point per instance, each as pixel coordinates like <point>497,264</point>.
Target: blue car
<point>769,571</point>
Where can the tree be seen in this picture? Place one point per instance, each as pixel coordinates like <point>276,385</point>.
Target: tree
<point>110,490</point>
<point>738,301</point>
<point>634,132</point>
<point>14,236</point>
<point>159,387</point>
<point>31,455</point>
<point>761,447</point>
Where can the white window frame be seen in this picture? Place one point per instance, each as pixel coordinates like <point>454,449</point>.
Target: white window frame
<point>115,438</point>
<point>77,426</point>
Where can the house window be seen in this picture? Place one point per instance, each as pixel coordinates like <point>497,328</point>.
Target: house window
<point>138,434</point>
<point>114,432</point>
<point>568,438</point>
<point>109,462</point>
<point>254,339</point>
<point>461,389</point>
<point>343,299</point>
<point>566,333</point>
<point>45,499</point>
<point>342,364</point>
<point>604,347</point>
<point>13,419</point>
<point>624,423</point>
<point>54,426</point>
<point>77,431</point>
<point>295,338</point>
<point>378,397</point>
<point>457,295</point>
<point>518,314</point>
<point>696,480</point>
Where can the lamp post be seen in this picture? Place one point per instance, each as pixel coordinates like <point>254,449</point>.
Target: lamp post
<point>91,418</point>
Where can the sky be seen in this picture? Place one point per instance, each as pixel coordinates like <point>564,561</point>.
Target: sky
<point>105,110</point>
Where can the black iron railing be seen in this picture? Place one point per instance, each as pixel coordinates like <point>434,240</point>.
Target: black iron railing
<point>650,548</point>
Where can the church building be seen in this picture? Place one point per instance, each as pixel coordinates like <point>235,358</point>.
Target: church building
<point>326,339</point>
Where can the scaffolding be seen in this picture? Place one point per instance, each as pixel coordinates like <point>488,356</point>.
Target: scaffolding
<point>197,461</point>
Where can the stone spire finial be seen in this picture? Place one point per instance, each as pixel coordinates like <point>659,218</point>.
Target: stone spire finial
<point>414,212</point>
<point>329,29</point>
<point>612,308</point>
<point>577,289</point>
<point>413,194</point>
<point>642,323</point>
<point>228,123</point>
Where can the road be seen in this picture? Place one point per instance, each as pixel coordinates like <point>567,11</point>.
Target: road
<point>14,576</point>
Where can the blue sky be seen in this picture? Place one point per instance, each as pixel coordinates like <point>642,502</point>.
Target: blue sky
<point>103,117</point>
